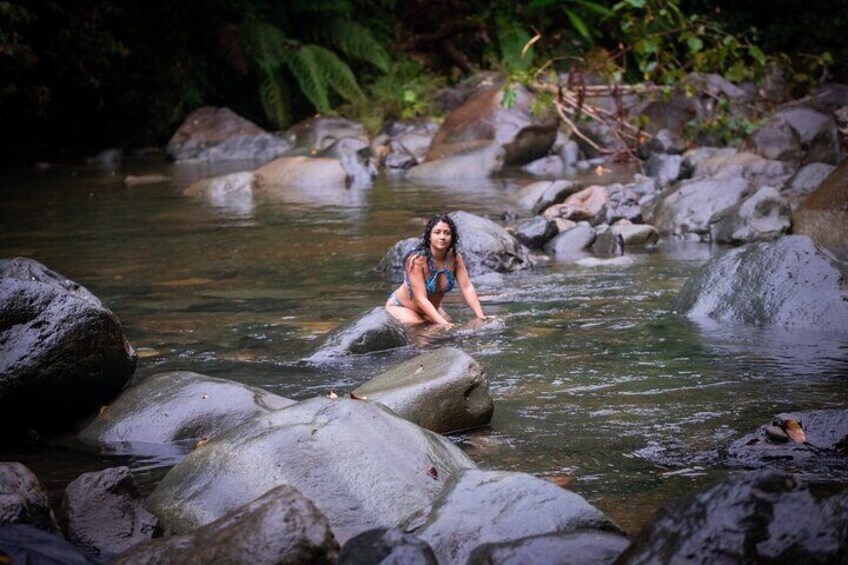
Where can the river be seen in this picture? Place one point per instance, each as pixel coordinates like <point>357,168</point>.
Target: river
<point>595,378</point>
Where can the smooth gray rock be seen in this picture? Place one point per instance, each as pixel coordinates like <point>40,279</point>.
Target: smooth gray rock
<point>386,546</point>
<point>607,242</point>
<point>23,499</point>
<point>824,214</point>
<point>320,132</point>
<point>623,205</point>
<point>573,242</point>
<point>486,246</point>
<point>443,391</point>
<point>804,182</point>
<point>392,262</point>
<point>786,283</point>
<point>665,168</point>
<point>376,330</point>
<point>549,166</point>
<point>777,140</point>
<point>479,507</point>
<point>355,157</point>
<point>664,142</point>
<point>582,547</point>
<point>636,234</point>
<point>62,354</point>
<point>726,164</point>
<point>102,513</point>
<point>763,517</point>
<point>175,406</point>
<point>281,526</point>
<point>475,163</point>
<point>361,465</point>
<point>232,192</point>
<point>686,211</point>
<point>538,196</point>
<point>536,232</point>
<point>762,216</point>
<point>817,132</point>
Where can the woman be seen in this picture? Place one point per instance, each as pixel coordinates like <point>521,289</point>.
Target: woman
<point>431,270</point>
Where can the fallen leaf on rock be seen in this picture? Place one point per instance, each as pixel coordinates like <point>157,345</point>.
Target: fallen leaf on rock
<point>563,481</point>
<point>103,411</point>
<point>205,397</point>
<point>201,442</point>
<point>354,397</point>
<point>432,472</point>
<point>332,395</point>
<point>419,369</point>
<point>794,431</point>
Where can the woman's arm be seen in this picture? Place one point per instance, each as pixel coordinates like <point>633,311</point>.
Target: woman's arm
<point>467,288</point>
<point>419,291</point>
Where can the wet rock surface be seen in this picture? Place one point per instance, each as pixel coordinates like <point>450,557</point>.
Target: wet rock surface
<point>443,391</point>
<point>762,517</point>
<point>536,232</point>
<point>479,507</point>
<point>361,465</point>
<point>281,526</point>
<point>62,353</point>
<point>102,513</point>
<point>376,330</point>
<point>233,192</point>
<point>476,161</point>
<point>573,242</point>
<point>486,246</point>
<point>387,546</point>
<point>23,499</point>
<point>571,548</point>
<point>823,454</point>
<point>687,210</point>
<point>177,405</point>
<point>301,172</point>
<point>787,283</point>
<point>21,543</point>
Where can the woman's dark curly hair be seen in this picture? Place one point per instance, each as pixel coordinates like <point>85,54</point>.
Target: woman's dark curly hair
<point>425,237</point>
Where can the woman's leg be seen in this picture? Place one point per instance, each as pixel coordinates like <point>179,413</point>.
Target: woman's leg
<point>403,314</point>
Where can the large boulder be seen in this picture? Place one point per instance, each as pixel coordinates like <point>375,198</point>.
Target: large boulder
<point>725,164</point>
<point>281,526</point>
<point>776,140</point>
<point>102,513</point>
<point>62,353</point>
<point>765,517</point>
<point>486,246</point>
<point>762,216</point>
<point>361,465</point>
<point>443,391</point>
<point>174,406</point>
<point>816,132</point>
<point>580,547</point>
<point>483,119</point>
<point>824,451</point>
<point>474,162</point>
<point>824,214</point>
<point>786,283</point>
<point>392,263</point>
<point>804,182</point>
<point>23,499</point>
<point>479,507</point>
<point>376,330</point>
<point>687,210</point>
<point>301,171</point>
<point>219,134</point>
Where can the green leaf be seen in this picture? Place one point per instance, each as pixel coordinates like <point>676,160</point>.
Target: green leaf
<point>336,73</point>
<point>695,44</point>
<point>757,54</point>
<point>599,9</point>
<point>510,97</point>
<point>310,78</point>
<point>512,38</point>
<point>637,3</point>
<point>356,42</point>
<point>578,23</point>
<point>274,95</point>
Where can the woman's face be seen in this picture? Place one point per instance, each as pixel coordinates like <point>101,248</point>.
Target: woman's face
<point>441,236</point>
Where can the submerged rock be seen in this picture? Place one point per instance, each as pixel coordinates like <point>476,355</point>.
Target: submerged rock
<point>233,191</point>
<point>175,406</point>
<point>387,546</point>
<point>281,526</point>
<point>361,465</point>
<point>62,354</point>
<point>479,507</point>
<point>23,499</point>
<point>580,547</point>
<point>376,330</point>
<point>301,172</point>
<point>765,517</point>
<point>102,512</point>
<point>443,391</point>
<point>786,283</point>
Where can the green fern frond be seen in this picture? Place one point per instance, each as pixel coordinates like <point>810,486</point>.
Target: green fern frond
<point>265,43</point>
<point>309,76</point>
<point>356,42</point>
<point>274,94</point>
<point>336,73</point>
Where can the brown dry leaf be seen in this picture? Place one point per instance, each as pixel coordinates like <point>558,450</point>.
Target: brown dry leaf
<point>201,442</point>
<point>563,481</point>
<point>205,397</point>
<point>332,395</point>
<point>432,472</point>
<point>419,369</point>
<point>103,411</point>
<point>354,397</point>
<point>794,431</point>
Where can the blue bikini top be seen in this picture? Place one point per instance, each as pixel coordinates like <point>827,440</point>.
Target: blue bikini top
<point>431,283</point>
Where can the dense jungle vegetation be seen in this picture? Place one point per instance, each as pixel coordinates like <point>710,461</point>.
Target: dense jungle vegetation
<point>84,75</point>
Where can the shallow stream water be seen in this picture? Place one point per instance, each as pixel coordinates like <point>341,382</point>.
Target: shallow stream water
<point>595,378</point>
